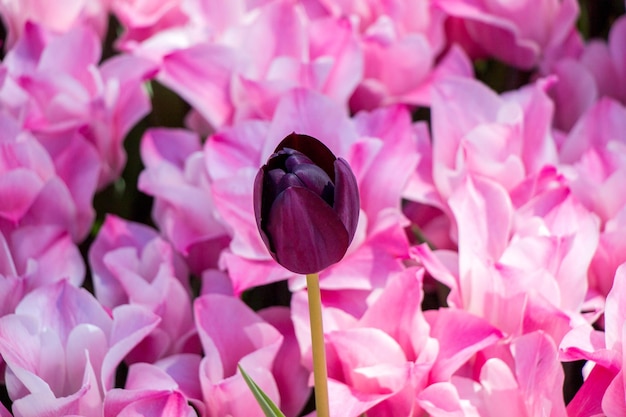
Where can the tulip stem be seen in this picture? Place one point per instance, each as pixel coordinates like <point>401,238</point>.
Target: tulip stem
<point>320,373</point>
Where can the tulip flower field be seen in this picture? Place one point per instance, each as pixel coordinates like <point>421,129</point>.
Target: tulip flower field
<point>172,173</point>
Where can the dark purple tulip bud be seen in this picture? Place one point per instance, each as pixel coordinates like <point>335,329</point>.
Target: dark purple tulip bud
<point>306,203</point>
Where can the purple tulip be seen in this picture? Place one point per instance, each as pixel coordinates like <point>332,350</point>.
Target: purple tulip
<point>306,203</point>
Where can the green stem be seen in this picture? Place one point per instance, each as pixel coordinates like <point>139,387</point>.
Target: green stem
<point>320,373</point>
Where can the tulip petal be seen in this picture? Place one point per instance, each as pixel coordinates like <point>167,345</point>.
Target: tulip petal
<point>258,205</point>
<point>316,180</point>
<point>346,197</point>
<point>305,232</point>
<point>312,148</point>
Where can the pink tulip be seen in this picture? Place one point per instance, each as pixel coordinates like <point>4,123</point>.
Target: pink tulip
<point>243,60</point>
<point>131,264</point>
<point>593,152</point>
<point>526,383</point>
<point>521,34</point>
<point>148,403</point>
<point>245,339</point>
<point>603,389</point>
<point>609,255</point>
<point>79,110</point>
<point>509,258</point>
<point>35,256</point>
<point>184,209</point>
<point>176,375</point>
<point>574,92</point>
<point>505,138</point>
<point>596,71</point>
<point>33,191</point>
<point>381,359</point>
<point>141,20</point>
<point>376,362</point>
<point>64,360</point>
<point>75,13</point>
<point>593,157</point>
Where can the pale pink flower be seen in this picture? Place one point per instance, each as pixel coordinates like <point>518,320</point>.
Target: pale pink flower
<point>574,92</point>
<point>380,359</point>
<point>184,209</point>
<point>401,42</point>
<point>292,378</point>
<point>146,403</point>
<point>523,33</point>
<point>520,232</point>
<point>160,26</point>
<point>505,138</point>
<point>34,193</point>
<point>247,56</point>
<point>74,13</point>
<point>594,153</point>
<point>604,387</point>
<point>609,255</point>
<point>594,162</point>
<point>32,257</point>
<point>175,374</point>
<point>143,19</point>
<point>525,380</point>
<point>599,70</point>
<point>522,268</point>
<point>244,339</point>
<point>79,110</point>
<point>131,264</point>
<point>63,360</point>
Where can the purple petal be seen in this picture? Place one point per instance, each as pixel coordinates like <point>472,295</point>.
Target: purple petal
<point>257,196</point>
<point>316,180</point>
<point>346,197</point>
<point>258,205</point>
<point>306,233</point>
<point>296,158</point>
<point>287,181</point>
<point>312,148</point>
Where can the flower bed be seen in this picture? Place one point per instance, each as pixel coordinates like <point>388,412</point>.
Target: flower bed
<point>486,272</point>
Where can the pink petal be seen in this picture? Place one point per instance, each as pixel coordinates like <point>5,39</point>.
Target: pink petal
<point>402,321</point>
<point>210,65</point>
<point>291,377</point>
<point>615,311</point>
<point>168,145</point>
<point>484,216</point>
<point>460,336</point>
<point>225,343</point>
<point>130,325</point>
<point>588,399</point>
<point>19,189</point>
<point>300,111</point>
<point>539,373</point>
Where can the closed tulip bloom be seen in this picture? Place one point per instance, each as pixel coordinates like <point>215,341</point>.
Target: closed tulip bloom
<point>306,203</point>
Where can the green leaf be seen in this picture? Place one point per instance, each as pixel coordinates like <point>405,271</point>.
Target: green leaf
<point>267,405</point>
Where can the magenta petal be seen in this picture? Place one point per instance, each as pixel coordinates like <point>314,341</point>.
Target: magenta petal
<point>307,235</point>
<point>346,197</point>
